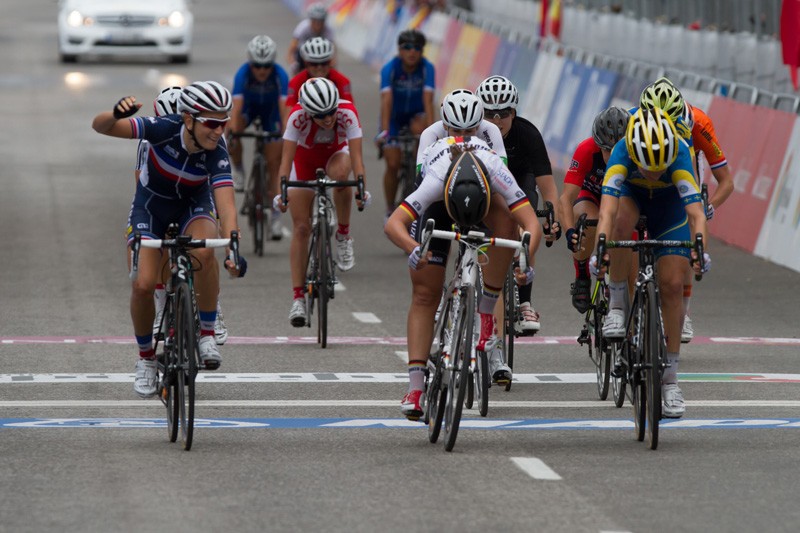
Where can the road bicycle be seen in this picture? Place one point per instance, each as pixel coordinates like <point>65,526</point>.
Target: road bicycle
<point>257,205</point>
<point>511,303</point>
<point>179,361</point>
<point>455,363</point>
<point>320,269</point>
<point>643,349</point>
<point>407,175</point>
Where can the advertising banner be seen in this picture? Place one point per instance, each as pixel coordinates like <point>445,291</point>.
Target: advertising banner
<point>505,58</point>
<point>542,84</point>
<point>599,87</point>
<point>570,91</point>
<point>483,61</point>
<point>434,28</point>
<point>447,51</point>
<point>755,140</point>
<point>461,63</point>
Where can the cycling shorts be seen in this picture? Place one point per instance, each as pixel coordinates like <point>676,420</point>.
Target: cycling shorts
<point>666,215</point>
<point>587,196</point>
<point>397,123</point>
<point>306,162</point>
<point>270,122</point>
<point>151,215</point>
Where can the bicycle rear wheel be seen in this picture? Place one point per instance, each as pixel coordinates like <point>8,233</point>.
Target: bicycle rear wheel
<point>459,374</point>
<point>510,299</point>
<point>638,383</point>
<point>323,253</point>
<point>436,399</point>
<point>617,383</point>
<point>652,358</point>
<point>258,214</point>
<point>482,382</point>
<point>186,370</point>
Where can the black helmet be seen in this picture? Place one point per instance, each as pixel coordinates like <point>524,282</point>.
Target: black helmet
<point>466,190</point>
<point>609,127</point>
<point>414,37</point>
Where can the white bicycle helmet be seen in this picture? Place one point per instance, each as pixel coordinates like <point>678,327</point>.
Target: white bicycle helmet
<point>317,11</point>
<point>318,96</point>
<point>497,92</point>
<point>262,49</point>
<point>462,110</point>
<point>204,96</point>
<point>651,139</point>
<point>317,50</point>
<point>166,103</point>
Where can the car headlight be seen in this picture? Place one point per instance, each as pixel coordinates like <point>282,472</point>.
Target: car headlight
<point>76,19</point>
<point>176,19</point>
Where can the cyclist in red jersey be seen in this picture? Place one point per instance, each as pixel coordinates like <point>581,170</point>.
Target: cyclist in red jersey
<point>581,194</point>
<point>323,131</point>
<point>317,55</point>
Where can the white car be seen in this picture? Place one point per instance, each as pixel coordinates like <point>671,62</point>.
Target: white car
<point>124,28</point>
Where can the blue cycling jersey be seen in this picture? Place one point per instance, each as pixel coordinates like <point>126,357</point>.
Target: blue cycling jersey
<point>171,171</point>
<point>261,99</point>
<point>407,89</point>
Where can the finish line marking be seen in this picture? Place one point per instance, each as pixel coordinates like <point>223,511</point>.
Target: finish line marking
<point>396,341</point>
<point>392,423</point>
<point>379,377</point>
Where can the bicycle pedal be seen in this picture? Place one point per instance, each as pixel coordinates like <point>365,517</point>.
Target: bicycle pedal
<point>211,365</point>
<point>617,372</point>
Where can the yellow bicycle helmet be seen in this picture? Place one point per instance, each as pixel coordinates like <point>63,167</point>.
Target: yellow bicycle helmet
<point>652,140</point>
<point>663,94</point>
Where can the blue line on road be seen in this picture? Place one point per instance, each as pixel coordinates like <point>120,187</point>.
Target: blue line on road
<point>394,423</point>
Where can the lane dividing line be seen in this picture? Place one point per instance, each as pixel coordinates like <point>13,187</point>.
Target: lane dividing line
<point>367,318</point>
<point>536,468</point>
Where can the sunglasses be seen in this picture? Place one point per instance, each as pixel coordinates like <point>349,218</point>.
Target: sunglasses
<point>317,64</point>
<point>409,46</point>
<point>500,113</point>
<point>213,123</point>
<point>323,116</point>
<point>262,65</point>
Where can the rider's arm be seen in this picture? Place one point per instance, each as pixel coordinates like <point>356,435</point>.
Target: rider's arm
<point>283,109</point>
<point>237,118</point>
<point>568,196</point>
<point>579,167</point>
<point>356,156</point>
<point>287,156</point>
<point>616,174</point>
<point>107,124</point>
<point>725,185</point>
<point>387,96</point>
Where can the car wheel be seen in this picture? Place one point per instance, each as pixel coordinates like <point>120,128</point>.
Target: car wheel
<point>69,58</point>
<point>180,59</point>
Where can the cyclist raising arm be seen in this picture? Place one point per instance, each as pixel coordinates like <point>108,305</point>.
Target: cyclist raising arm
<point>650,172</point>
<point>323,132</point>
<point>407,86</point>
<point>187,159</point>
<point>527,161</point>
<point>581,194</point>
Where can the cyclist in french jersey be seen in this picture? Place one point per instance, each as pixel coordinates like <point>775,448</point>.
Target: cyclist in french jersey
<point>470,161</point>
<point>528,162</point>
<point>313,25</point>
<point>187,162</point>
<point>699,133</point>
<point>259,92</point>
<point>650,172</point>
<point>318,53</point>
<point>407,86</point>
<point>581,193</point>
<point>323,131</point>
<point>166,103</point>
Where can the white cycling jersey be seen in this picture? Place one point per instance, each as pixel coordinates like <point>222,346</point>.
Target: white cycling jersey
<point>437,162</point>
<point>487,132</point>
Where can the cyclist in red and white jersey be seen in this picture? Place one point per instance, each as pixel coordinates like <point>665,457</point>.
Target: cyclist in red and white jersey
<point>323,131</point>
<point>318,55</point>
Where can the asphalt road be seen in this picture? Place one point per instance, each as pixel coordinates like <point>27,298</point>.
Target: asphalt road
<point>294,438</point>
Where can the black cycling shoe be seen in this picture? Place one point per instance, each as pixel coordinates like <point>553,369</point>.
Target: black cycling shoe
<point>580,294</point>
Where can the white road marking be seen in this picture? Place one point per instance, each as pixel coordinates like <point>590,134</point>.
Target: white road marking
<point>402,354</point>
<point>367,318</point>
<point>535,468</point>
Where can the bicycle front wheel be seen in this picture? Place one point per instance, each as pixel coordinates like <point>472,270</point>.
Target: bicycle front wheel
<point>463,344</point>
<point>653,354</point>
<point>186,370</point>
<point>482,382</point>
<point>258,212</point>
<point>510,303</point>
<point>617,383</point>
<point>602,348</point>
<point>323,279</point>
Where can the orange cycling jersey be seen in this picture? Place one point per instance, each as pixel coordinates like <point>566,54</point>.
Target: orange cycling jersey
<point>704,139</point>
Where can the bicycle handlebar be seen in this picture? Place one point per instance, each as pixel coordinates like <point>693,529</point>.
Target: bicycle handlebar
<point>181,242</point>
<point>321,183</point>
<point>580,227</point>
<point>548,214</point>
<point>697,245</point>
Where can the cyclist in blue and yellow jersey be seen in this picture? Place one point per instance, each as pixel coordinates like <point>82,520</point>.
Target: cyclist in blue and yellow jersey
<point>650,172</point>
<point>698,130</point>
<point>528,162</point>
<point>407,86</point>
<point>187,162</point>
<point>259,92</point>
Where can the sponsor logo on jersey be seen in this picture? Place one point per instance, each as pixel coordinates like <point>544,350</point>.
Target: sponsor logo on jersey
<point>573,164</point>
<point>223,163</point>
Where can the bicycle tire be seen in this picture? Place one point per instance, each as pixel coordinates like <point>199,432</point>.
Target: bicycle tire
<point>459,375</point>
<point>167,367</point>
<point>482,382</point>
<point>602,347</point>
<point>186,344</point>
<point>510,301</point>
<point>638,384</point>
<point>469,399</point>
<point>323,253</point>
<point>436,393</point>
<point>652,359</point>
<point>618,385</point>
<point>257,212</point>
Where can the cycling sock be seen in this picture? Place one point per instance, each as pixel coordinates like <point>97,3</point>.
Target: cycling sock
<point>687,296</point>
<point>525,293</point>
<point>489,297</point>
<point>160,295</point>
<point>344,231</point>
<point>416,375</point>
<point>145,343</point>
<point>207,320</point>
<point>618,290</point>
<point>298,293</point>
<point>581,269</point>
<point>148,355</point>
<point>670,375</point>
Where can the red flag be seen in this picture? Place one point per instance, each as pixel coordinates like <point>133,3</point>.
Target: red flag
<point>555,19</point>
<point>543,16</point>
<point>790,37</point>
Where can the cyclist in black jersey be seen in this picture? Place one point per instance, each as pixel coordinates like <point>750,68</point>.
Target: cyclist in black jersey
<point>528,162</point>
